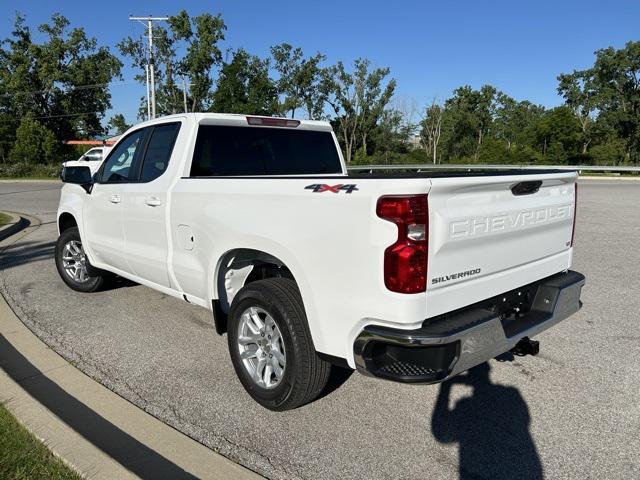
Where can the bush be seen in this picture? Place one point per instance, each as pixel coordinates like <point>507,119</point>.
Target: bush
<point>494,152</point>
<point>391,158</point>
<point>23,169</point>
<point>612,152</point>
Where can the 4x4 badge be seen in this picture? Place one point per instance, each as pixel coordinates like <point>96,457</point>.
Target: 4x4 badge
<point>323,187</point>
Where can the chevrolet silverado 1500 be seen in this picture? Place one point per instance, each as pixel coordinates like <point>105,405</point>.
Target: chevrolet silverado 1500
<point>408,278</point>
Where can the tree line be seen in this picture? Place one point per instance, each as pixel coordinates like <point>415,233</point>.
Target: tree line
<point>59,88</point>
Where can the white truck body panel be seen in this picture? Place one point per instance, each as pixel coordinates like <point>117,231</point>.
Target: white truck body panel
<point>333,244</point>
<point>479,226</point>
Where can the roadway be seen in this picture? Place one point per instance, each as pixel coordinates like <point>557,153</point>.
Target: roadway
<point>571,412</point>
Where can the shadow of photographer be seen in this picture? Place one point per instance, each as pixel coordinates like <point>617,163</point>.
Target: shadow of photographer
<point>491,428</point>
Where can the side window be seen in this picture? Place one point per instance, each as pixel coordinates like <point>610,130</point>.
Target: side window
<point>118,167</point>
<point>158,151</point>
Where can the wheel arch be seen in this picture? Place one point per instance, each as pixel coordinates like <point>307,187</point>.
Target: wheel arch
<point>239,267</point>
<point>66,220</point>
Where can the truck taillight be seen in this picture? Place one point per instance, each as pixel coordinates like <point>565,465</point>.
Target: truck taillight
<point>575,210</point>
<point>405,262</point>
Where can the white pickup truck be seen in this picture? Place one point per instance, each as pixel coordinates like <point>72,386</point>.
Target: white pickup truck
<point>91,158</point>
<point>408,278</point>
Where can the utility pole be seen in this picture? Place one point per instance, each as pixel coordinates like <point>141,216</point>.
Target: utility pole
<point>151,73</point>
<point>184,94</point>
<point>146,69</point>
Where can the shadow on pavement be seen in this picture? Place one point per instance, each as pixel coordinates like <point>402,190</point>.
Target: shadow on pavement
<point>114,282</point>
<point>126,450</point>
<point>337,377</point>
<point>26,252</point>
<point>491,428</point>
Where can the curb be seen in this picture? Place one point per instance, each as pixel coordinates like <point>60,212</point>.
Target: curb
<point>16,224</point>
<point>30,180</point>
<point>608,178</point>
<point>95,431</point>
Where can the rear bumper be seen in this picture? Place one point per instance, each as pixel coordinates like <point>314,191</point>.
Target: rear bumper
<point>454,342</point>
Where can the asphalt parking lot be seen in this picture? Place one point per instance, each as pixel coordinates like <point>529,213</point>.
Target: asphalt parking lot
<point>571,412</point>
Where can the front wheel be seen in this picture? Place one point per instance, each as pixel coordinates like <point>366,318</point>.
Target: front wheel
<point>73,265</point>
<point>271,346</point>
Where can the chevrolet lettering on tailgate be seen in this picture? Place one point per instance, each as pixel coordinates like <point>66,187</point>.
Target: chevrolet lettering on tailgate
<point>474,226</point>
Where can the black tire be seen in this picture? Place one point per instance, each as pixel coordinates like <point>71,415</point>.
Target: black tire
<point>305,374</point>
<point>94,280</point>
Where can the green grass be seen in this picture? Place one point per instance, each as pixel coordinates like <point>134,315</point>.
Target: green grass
<point>4,219</point>
<point>24,457</point>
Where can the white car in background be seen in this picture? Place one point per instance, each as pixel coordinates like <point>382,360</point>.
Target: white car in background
<point>91,158</point>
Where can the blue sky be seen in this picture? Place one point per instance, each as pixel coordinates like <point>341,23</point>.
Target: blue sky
<point>431,47</point>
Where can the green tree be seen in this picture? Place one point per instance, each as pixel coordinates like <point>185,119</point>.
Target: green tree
<point>357,99</point>
<point>494,151</point>
<point>299,80</point>
<point>62,80</point>
<point>391,135</point>
<point>431,130</point>
<point>580,94</point>
<point>616,78</point>
<point>202,35</point>
<point>35,144</point>
<point>375,98</point>
<point>513,119</point>
<point>469,118</point>
<point>244,86</point>
<point>197,38</point>
<point>557,135</point>
<point>117,124</point>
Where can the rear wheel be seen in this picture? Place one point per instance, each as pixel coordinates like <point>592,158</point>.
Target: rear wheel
<point>73,265</point>
<point>271,346</point>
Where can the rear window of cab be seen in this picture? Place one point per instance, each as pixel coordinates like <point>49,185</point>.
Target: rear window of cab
<point>246,151</point>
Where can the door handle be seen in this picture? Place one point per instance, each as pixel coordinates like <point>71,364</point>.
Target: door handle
<point>153,201</point>
<point>114,198</point>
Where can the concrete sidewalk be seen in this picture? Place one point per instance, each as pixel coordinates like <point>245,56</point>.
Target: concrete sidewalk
<point>97,432</point>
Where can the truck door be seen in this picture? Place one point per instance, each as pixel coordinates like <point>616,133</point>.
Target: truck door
<point>102,211</point>
<point>145,207</point>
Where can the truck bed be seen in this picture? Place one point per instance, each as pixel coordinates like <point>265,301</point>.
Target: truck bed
<point>441,173</point>
<point>401,174</point>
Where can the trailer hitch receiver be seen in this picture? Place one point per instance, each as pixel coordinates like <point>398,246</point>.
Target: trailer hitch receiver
<point>526,346</point>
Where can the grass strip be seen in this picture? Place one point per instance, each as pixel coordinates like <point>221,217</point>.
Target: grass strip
<point>24,457</point>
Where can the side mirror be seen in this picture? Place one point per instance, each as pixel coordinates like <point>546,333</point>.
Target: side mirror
<point>78,175</point>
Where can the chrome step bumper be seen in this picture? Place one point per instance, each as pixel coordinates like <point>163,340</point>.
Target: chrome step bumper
<point>453,343</point>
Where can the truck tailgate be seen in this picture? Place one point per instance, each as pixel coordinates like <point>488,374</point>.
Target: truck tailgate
<point>489,232</point>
